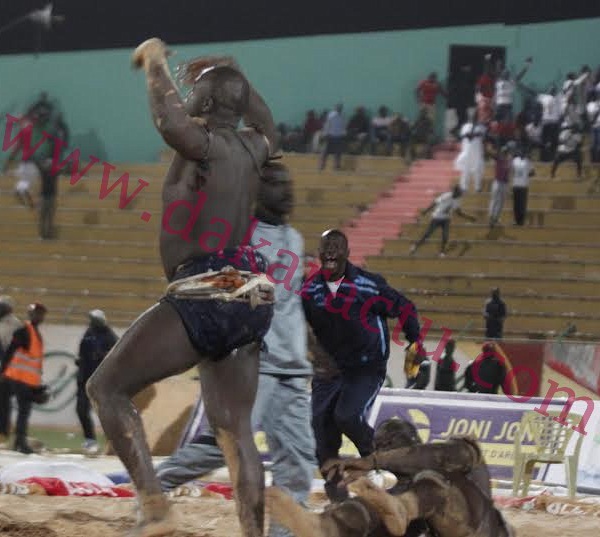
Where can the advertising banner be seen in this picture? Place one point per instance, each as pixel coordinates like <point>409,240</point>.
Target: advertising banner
<point>578,361</point>
<point>492,419</point>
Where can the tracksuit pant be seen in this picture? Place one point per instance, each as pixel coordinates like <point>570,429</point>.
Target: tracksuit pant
<point>341,405</point>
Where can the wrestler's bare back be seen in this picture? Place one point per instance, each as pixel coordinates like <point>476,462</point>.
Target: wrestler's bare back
<point>220,194</point>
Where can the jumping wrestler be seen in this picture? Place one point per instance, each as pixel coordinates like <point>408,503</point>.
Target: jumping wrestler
<point>446,485</point>
<point>218,299</point>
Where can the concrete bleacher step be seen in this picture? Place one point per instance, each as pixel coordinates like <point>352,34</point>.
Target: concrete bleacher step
<point>483,249</point>
<point>459,231</point>
<point>564,201</point>
<point>522,321</point>
<point>94,279</point>
<point>469,265</point>
<point>426,298</point>
<point>535,286</point>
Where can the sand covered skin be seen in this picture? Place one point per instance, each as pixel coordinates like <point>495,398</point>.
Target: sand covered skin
<point>43,516</point>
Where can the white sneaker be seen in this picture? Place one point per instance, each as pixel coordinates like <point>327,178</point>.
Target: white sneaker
<point>376,477</point>
<point>91,447</point>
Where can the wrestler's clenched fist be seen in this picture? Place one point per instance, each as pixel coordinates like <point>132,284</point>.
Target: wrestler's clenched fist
<point>153,48</point>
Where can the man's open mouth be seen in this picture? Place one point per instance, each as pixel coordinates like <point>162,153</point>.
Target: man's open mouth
<point>330,263</point>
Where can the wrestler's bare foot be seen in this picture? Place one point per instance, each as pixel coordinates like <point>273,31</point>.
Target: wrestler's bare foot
<point>154,517</point>
<point>284,510</point>
<point>154,528</point>
<point>392,513</point>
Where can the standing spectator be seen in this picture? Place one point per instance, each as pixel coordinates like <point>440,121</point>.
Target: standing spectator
<point>487,372</point>
<point>443,207</point>
<point>550,123</point>
<point>59,130</point>
<point>505,90</point>
<point>484,92</point>
<point>500,185</point>
<point>569,147</point>
<point>334,134</point>
<point>427,92</point>
<point>358,341</point>
<point>9,323</point>
<point>494,313</point>
<point>470,161</point>
<point>22,368</point>
<point>533,137</point>
<point>358,128</point>
<point>571,92</point>
<point>97,341</point>
<point>282,403</point>
<point>445,374</point>
<point>593,116</point>
<point>312,126</point>
<point>380,130</point>
<point>420,381</point>
<point>521,172</point>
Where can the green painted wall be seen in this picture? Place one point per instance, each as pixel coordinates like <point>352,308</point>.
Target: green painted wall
<point>105,102</point>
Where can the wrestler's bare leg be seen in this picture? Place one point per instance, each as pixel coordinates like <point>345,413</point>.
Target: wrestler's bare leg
<point>284,510</point>
<point>396,512</point>
<point>156,346</point>
<point>228,390</point>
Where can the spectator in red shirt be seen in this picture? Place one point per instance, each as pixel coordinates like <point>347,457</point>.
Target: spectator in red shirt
<point>427,92</point>
<point>484,91</point>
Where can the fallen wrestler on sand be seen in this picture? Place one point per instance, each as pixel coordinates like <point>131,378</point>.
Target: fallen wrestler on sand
<point>443,490</point>
<point>218,305</point>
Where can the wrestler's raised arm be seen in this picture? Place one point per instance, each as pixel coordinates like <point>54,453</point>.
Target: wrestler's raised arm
<point>187,135</point>
<point>258,115</point>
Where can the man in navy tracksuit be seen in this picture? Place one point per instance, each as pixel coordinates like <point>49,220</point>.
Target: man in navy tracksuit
<point>347,308</point>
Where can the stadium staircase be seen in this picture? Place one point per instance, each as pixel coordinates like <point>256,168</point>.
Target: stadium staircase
<point>399,206</point>
<point>548,270</point>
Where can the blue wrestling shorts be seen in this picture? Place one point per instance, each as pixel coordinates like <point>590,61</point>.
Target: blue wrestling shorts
<point>217,327</point>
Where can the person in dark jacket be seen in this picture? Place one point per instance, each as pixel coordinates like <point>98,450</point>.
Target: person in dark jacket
<point>98,339</point>
<point>445,378</point>
<point>347,309</point>
<point>487,372</point>
<point>494,314</point>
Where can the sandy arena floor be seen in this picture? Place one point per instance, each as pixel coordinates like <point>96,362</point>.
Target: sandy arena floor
<point>43,516</point>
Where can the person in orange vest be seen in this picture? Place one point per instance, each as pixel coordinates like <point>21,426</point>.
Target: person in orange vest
<point>21,368</point>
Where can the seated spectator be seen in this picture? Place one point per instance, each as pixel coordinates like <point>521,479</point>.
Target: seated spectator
<point>427,92</point>
<point>312,126</point>
<point>380,130</point>
<point>422,133</point>
<point>569,147</point>
<point>358,129</point>
<point>400,131</point>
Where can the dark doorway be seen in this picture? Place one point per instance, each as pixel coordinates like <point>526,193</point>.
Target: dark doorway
<point>465,66</point>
